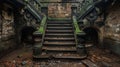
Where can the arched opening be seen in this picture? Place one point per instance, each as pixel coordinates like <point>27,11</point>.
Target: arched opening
<point>92,35</point>
<point>26,34</point>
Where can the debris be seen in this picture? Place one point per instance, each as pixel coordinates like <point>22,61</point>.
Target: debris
<point>24,63</point>
<point>19,56</point>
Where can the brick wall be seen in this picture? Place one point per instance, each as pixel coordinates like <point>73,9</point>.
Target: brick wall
<point>59,10</point>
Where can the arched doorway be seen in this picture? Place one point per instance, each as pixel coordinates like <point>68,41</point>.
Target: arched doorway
<point>92,35</point>
<point>26,34</point>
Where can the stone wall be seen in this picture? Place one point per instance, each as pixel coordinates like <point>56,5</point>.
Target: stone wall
<point>112,29</point>
<point>12,21</point>
<point>6,28</point>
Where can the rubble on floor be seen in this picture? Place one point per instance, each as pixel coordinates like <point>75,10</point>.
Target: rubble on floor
<point>23,58</point>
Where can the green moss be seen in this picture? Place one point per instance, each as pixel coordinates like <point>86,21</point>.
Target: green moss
<point>42,25</point>
<point>77,29</point>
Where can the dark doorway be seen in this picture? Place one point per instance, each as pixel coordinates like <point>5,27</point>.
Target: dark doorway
<point>92,35</point>
<point>26,34</point>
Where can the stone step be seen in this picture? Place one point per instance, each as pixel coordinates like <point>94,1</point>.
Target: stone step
<point>64,56</point>
<point>60,48</point>
<point>59,43</point>
<point>59,25</point>
<point>59,35</point>
<point>59,28</point>
<point>60,22</point>
<point>60,31</point>
<point>59,38</point>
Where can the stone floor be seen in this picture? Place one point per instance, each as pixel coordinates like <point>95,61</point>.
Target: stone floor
<point>23,58</point>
